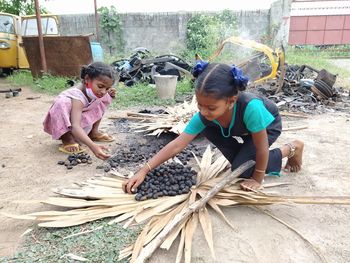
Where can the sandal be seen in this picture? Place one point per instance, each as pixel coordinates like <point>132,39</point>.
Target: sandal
<point>64,148</point>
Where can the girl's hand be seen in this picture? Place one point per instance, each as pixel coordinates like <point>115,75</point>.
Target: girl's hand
<point>100,152</point>
<point>112,92</point>
<point>130,186</point>
<point>250,184</point>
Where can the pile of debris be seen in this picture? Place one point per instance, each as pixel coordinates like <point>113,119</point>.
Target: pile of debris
<point>305,89</point>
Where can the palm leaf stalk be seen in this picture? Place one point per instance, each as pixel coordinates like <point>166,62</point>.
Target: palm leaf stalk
<point>173,120</point>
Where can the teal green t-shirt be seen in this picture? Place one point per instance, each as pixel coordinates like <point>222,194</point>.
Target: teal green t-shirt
<point>256,118</point>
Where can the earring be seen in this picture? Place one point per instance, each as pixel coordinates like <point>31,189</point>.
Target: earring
<point>231,106</point>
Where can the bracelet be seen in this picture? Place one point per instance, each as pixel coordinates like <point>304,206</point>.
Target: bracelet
<point>149,167</point>
<point>259,171</point>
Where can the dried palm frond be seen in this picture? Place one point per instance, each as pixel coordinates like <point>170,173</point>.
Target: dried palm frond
<point>102,197</point>
<point>173,120</point>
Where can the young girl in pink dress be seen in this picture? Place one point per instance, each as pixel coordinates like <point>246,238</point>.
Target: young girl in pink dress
<point>76,113</point>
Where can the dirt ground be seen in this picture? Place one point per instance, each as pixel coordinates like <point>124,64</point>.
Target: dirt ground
<point>29,170</point>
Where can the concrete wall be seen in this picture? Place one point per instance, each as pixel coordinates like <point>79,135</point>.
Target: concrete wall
<point>164,32</point>
<point>279,21</point>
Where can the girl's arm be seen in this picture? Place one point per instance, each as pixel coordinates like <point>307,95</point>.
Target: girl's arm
<point>167,152</point>
<point>262,156</point>
<point>79,133</point>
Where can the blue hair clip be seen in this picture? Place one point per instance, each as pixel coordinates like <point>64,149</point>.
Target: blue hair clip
<point>240,79</point>
<point>199,68</point>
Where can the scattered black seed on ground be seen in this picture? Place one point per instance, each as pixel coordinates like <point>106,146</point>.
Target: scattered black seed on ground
<point>133,154</point>
<point>75,159</point>
<point>166,180</point>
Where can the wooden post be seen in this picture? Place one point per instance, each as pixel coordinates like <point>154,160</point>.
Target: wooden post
<point>96,22</point>
<point>40,37</point>
<point>179,218</point>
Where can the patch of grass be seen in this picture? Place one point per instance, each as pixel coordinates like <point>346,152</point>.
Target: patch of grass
<point>103,245</point>
<point>146,95</point>
<point>140,94</point>
<point>47,84</point>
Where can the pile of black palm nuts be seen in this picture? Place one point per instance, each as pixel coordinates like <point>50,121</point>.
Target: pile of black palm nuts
<point>141,154</point>
<point>75,159</point>
<point>166,180</point>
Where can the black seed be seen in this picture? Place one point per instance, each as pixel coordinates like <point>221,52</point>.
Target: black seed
<point>60,162</point>
<point>69,167</point>
<point>138,197</point>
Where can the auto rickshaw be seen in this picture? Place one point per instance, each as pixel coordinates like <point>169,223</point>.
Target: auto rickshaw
<point>12,54</point>
<point>12,28</point>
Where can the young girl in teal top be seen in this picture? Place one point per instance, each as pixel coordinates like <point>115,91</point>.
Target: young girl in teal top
<point>241,125</point>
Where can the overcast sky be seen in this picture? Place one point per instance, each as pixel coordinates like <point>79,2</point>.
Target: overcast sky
<point>125,6</point>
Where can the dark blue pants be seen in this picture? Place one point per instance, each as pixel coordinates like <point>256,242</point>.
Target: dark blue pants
<point>238,153</point>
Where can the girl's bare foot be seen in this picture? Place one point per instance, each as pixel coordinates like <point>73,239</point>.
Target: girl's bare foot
<point>295,160</point>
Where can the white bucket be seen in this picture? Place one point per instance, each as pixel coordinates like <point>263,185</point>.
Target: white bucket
<point>166,86</point>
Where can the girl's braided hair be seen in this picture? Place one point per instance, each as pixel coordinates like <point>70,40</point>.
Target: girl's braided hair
<point>96,69</point>
<point>219,80</point>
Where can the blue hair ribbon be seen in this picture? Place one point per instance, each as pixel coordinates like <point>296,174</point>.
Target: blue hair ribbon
<point>199,68</point>
<point>239,79</point>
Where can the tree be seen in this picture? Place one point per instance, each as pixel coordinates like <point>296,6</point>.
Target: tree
<point>19,7</point>
<point>112,32</point>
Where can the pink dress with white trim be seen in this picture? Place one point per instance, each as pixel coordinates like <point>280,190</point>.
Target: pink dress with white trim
<point>57,121</point>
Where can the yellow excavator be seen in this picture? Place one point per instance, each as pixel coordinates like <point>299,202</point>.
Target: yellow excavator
<point>256,66</point>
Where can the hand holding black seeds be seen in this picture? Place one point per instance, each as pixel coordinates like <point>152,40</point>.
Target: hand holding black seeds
<point>166,180</point>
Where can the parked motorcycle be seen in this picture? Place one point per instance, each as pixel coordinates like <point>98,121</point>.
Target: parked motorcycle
<point>141,66</point>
